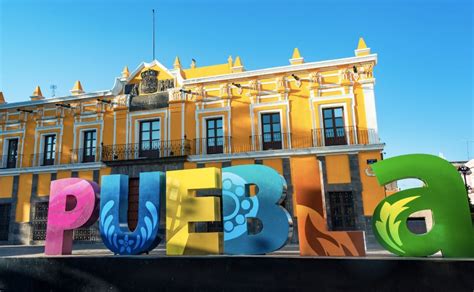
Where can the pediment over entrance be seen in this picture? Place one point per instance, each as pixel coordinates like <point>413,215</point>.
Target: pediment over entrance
<point>150,78</point>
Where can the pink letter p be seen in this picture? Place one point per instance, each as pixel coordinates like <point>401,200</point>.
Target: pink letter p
<point>73,203</point>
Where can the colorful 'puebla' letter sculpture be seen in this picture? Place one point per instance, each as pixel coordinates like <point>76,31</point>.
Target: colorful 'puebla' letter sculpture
<point>183,209</point>
<point>444,194</point>
<point>113,213</point>
<point>314,237</point>
<point>73,204</point>
<point>239,205</point>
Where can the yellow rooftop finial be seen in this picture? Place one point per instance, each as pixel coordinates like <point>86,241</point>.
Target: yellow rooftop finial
<point>362,49</point>
<point>296,54</point>
<point>125,72</point>
<point>238,62</point>
<point>238,67</point>
<point>296,57</point>
<point>230,61</point>
<point>177,63</point>
<point>77,89</point>
<point>361,45</point>
<point>2,98</point>
<point>37,92</point>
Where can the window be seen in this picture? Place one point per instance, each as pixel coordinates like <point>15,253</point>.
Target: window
<point>334,131</point>
<point>49,153</point>
<point>39,222</point>
<point>4,220</point>
<point>342,210</point>
<point>214,138</point>
<point>40,219</point>
<point>271,131</point>
<point>12,153</point>
<point>149,145</point>
<point>89,146</point>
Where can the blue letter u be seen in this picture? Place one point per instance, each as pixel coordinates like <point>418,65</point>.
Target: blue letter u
<point>113,213</point>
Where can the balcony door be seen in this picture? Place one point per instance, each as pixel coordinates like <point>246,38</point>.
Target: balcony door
<point>271,131</point>
<point>334,130</point>
<point>149,145</point>
<point>215,136</point>
<point>89,146</point>
<point>49,151</point>
<point>12,153</point>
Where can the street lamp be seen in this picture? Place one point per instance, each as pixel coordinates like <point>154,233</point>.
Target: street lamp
<point>465,171</point>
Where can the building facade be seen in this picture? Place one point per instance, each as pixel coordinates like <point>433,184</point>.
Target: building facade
<point>313,122</point>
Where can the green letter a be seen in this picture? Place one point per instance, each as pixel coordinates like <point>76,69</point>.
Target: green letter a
<point>443,193</point>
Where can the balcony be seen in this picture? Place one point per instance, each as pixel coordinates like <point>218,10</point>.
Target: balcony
<point>344,136</point>
<point>85,155</point>
<point>214,145</point>
<point>316,138</point>
<point>10,161</point>
<point>45,159</point>
<point>157,150</point>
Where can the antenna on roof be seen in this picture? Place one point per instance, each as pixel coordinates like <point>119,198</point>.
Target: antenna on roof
<point>53,88</point>
<point>153,13</point>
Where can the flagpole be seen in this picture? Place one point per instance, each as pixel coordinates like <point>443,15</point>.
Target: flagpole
<point>153,12</point>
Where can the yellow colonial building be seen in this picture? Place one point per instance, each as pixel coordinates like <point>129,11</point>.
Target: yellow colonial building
<point>313,122</point>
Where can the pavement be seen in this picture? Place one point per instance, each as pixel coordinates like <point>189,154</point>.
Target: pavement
<point>99,249</point>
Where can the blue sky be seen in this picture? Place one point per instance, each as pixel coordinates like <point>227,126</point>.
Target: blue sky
<point>424,88</point>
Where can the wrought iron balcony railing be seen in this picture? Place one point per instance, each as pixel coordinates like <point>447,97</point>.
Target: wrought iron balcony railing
<point>45,159</point>
<point>212,145</point>
<point>146,150</point>
<point>85,155</point>
<point>11,161</point>
<point>274,141</point>
<point>344,136</point>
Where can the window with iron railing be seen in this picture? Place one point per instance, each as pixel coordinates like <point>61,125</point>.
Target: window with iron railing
<point>334,130</point>
<point>214,136</point>
<point>49,154</point>
<point>11,159</point>
<point>149,139</point>
<point>89,149</point>
<point>271,131</point>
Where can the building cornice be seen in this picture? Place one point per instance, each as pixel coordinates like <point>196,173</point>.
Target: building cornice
<point>52,168</point>
<point>283,69</point>
<point>57,99</point>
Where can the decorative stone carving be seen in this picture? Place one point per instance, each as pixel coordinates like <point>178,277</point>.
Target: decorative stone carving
<point>368,69</point>
<point>254,85</point>
<point>175,94</point>
<point>280,84</point>
<point>149,83</point>
<point>347,75</point>
<point>39,113</point>
<point>224,90</point>
<point>315,79</point>
<point>121,100</point>
<point>200,91</point>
